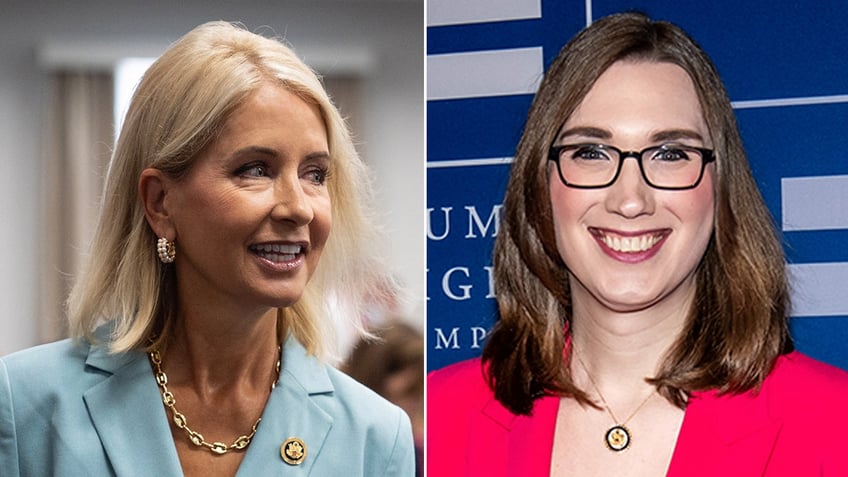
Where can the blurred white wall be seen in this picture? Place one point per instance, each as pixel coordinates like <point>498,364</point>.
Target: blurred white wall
<point>379,40</point>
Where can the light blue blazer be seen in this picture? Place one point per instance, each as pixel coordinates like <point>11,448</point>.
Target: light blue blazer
<point>75,410</point>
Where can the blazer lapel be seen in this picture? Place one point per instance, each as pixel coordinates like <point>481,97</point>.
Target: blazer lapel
<point>524,442</point>
<point>725,434</point>
<point>291,412</point>
<point>533,439</point>
<point>127,412</point>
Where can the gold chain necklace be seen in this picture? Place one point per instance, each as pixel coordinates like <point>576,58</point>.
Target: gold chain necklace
<point>196,438</point>
<point>617,437</point>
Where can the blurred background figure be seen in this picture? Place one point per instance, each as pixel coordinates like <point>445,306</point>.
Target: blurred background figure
<point>393,366</point>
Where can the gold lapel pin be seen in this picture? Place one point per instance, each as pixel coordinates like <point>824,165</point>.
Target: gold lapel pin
<point>293,451</point>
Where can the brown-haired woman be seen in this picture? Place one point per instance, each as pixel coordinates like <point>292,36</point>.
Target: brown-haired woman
<point>643,303</point>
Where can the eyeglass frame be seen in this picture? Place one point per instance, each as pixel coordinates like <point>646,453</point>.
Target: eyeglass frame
<point>707,156</point>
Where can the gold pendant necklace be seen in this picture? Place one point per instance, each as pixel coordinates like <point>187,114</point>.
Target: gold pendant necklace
<point>617,437</point>
<point>196,438</point>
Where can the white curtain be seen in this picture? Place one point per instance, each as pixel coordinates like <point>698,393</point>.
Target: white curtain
<point>346,93</point>
<point>77,142</point>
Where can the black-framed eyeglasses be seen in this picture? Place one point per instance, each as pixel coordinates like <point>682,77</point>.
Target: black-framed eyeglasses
<point>595,166</point>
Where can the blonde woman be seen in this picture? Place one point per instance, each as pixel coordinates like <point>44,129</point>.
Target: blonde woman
<point>235,204</point>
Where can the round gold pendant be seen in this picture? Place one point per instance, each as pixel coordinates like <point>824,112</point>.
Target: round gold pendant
<point>617,438</point>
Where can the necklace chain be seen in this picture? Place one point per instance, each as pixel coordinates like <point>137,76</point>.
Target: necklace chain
<point>196,438</point>
<point>617,437</point>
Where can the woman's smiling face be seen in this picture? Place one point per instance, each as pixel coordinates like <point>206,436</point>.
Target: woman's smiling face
<point>252,215</point>
<point>630,246</point>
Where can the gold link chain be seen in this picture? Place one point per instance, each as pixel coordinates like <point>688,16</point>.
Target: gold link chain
<point>180,420</point>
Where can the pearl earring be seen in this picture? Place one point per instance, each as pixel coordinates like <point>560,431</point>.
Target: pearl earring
<point>166,250</point>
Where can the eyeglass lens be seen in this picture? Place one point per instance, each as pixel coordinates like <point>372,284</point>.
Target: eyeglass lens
<point>595,165</point>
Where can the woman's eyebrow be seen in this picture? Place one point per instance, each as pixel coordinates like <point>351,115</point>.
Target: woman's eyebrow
<point>659,136</point>
<point>585,131</point>
<point>270,152</point>
<point>675,134</point>
<point>261,150</point>
<point>319,155</point>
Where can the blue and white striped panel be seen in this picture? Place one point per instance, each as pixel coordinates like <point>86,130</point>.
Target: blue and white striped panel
<point>454,12</point>
<point>817,204</point>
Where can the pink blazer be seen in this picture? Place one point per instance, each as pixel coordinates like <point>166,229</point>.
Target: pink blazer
<point>796,426</point>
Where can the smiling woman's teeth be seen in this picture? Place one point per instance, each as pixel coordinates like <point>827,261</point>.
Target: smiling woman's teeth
<point>277,252</point>
<point>630,244</point>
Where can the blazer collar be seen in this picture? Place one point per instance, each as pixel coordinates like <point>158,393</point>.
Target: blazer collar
<point>126,410</point>
<point>293,410</point>
<point>726,432</point>
<point>719,433</point>
<point>530,438</point>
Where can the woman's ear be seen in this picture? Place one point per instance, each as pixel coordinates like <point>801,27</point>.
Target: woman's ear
<point>153,188</point>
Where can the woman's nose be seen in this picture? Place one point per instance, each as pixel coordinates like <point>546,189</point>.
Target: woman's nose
<point>291,202</point>
<point>630,196</point>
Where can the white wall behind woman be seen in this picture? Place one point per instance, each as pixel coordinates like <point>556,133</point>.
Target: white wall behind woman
<point>38,35</point>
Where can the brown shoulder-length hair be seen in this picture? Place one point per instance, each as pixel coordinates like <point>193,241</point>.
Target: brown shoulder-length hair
<point>738,322</point>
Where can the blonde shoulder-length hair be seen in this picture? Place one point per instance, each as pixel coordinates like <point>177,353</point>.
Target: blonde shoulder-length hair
<point>178,108</point>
